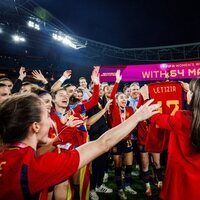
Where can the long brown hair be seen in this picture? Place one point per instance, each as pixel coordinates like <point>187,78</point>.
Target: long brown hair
<point>16,115</point>
<point>195,108</point>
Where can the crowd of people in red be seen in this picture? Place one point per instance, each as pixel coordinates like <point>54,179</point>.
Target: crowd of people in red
<point>51,136</point>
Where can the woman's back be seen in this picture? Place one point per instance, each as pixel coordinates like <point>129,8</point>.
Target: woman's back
<point>182,176</point>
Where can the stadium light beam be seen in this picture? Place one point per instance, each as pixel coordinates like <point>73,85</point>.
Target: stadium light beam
<point>1,30</point>
<point>18,39</point>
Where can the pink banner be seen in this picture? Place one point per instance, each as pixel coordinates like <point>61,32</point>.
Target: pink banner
<point>152,72</point>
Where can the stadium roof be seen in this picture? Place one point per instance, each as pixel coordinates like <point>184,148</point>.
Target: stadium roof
<point>104,32</point>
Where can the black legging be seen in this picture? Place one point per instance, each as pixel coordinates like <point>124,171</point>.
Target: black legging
<point>98,169</point>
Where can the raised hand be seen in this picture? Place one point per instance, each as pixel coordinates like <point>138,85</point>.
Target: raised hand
<point>118,76</point>
<point>74,121</point>
<point>37,75</point>
<point>67,74</point>
<point>96,69</point>
<point>70,120</point>
<point>185,86</point>
<point>147,110</point>
<point>95,75</point>
<point>108,104</point>
<point>22,73</point>
<point>66,116</point>
<point>144,91</point>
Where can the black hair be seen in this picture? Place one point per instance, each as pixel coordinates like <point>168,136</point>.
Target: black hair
<point>73,99</point>
<point>40,91</point>
<point>125,87</point>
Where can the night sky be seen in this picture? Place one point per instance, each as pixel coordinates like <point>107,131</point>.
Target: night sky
<point>121,23</point>
<point>130,23</point>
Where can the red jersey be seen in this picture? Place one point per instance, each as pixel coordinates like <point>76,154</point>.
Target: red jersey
<point>182,178</point>
<point>24,176</point>
<point>56,125</point>
<point>146,133</point>
<point>80,137</point>
<point>142,126</point>
<point>76,137</point>
<point>169,95</point>
<point>93,101</point>
<point>115,113</point>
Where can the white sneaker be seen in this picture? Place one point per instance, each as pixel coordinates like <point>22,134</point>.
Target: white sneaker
<point>93,195</point>
<point>135,173</point>
<point>104,189</point>
<point>130,190</point>
<point>121,194</point>
<point>123,175</point>
<point>105,178</point>
<point>148,191</point>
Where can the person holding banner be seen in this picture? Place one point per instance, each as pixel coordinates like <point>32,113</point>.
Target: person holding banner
<point>153,138</point>
<point>182,172</point>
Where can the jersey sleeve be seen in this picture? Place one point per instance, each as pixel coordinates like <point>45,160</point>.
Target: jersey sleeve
<point>51,169</point>
<point>93,101</point>
<point>167,121</point>
<point>112,96</point>
<point>140,101</point>
<point>129,111</point>
<point>114,90</point>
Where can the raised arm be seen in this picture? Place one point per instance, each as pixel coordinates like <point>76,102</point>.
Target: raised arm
<point>116,85</point>
<point>64,136</point>
<point>98,115</point>
<point>185,86</point>
<point>91,150</point>
<point>37,75</point>
<point>114,105</point>
<point>18,83</point>
<point>95,95</point>
<point>93,100</point>
<point>66,75</point>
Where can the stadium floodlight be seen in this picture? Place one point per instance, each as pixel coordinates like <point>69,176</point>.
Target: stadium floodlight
<point>37,27</point>
<point>57,37</point>
<point>34,25</point>
<point>31,24</point>
<point>66,40</point>
<point>18,38</point>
